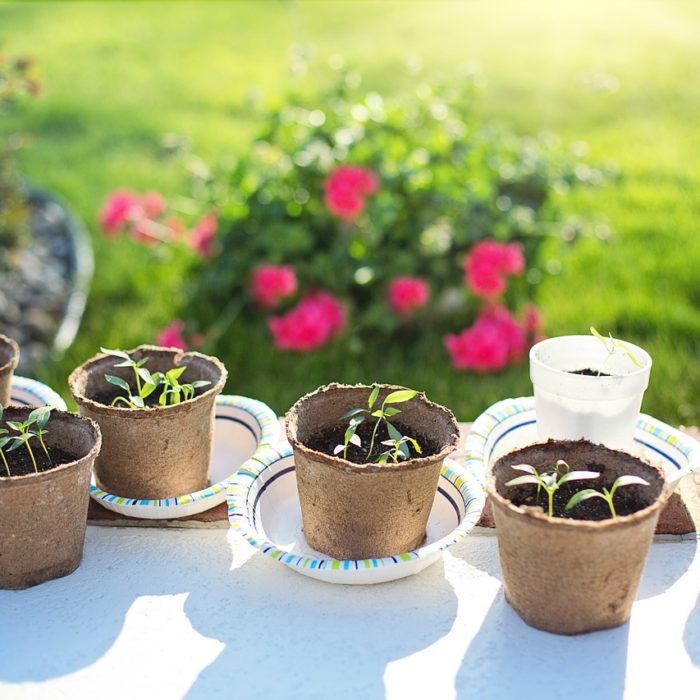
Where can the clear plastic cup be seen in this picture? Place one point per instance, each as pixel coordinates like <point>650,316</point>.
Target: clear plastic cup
<point>602,409</point>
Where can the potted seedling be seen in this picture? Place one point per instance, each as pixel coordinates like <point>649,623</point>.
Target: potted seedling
<point>9,357</point>
<point>574,523</point>
<point>367,461</point>
<point>46,457</point>
<point>588,387</point>
<point>155,407</point>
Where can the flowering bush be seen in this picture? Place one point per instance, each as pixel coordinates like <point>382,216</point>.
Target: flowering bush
<point>352,214</point>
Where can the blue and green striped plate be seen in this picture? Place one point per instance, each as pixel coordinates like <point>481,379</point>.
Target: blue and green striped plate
<point>263,507</point>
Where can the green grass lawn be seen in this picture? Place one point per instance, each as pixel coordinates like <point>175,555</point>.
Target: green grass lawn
<point>621,77</point>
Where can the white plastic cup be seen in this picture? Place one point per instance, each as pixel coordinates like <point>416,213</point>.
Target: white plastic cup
<point>571,406</point>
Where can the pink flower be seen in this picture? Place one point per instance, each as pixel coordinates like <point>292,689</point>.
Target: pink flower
<point>171,336</point>
<point>145,231</point>
<point>271,283</point>
<point>407,294</point>
<point>202,238</point>
<point>494,341</point>
<point>310,325</point>
<point>489,263</point>
<point>532,319</point>
<point>153,204</point>
<point>117,210</point>
<point>346,189</point>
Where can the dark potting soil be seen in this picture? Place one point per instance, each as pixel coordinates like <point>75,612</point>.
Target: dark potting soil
<point>326,441</point>
<point>626,500</point>
<point>107,395</point>
<point>20,462</point>
<point>589,372</point>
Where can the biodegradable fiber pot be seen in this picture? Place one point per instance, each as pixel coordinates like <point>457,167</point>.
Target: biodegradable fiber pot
<point>572,576</point>
<point>43,516</point>
<point>9,357</point>
<point>157,452</point>
<point>358,511</point>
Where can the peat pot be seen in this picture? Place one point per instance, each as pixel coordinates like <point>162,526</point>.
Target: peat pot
<point>572,576</point>
<point>359,511</point>
<point>157,452</point>
<point>570,406</point>
<point>9,357</point>
<point>43,515</point>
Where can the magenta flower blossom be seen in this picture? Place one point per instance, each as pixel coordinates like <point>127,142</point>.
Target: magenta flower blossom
<point>202,238</point>
<point>172,336</point>
<point>119,208</point>
<point>153,204</point>
<point>489,263</point>
<point>406,294</point>
<point>310,325</point>
<point>347,188</point>
<point>272,283</point>
<point>494,341</point>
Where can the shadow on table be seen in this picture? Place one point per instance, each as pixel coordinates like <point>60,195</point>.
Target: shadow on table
<point>283,634</point>
<point>507,659</point>
<point>290,636</point>
<point>691,636</point>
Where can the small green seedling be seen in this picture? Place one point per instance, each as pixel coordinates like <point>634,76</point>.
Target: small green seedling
<point>549,481</point>
<point>38,417</point>
<point>145,382</point>
<point>174,392</point>
<point>612,347</point>
<point>398,447</point>
<point>607,496</point>
<point>4,439</point>
<point>357,416</point>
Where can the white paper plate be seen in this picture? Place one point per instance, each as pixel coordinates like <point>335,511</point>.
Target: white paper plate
<point>29,392</point>
<point>243,427</point>
<point>510,424</point>
<point>263,507</point>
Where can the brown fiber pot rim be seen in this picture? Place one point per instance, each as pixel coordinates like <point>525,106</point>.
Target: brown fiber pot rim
<point>539,519</point>
<point>11,364</point>
<point>345,465</point>
<point>177,355</point>
<point>60,469</point>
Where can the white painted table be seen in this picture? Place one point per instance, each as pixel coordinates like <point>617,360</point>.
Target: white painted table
<point>197,613</point>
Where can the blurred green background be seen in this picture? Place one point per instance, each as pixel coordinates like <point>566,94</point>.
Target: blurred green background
<point>621,77</point>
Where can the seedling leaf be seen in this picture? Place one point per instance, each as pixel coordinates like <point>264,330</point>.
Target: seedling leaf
<point>400,396</point>
<point>373,397</point>
<point>629,479</point>
<point>575,476</point>
<point>118,381</point>
<point>582,496</point>
<point>525,479</point>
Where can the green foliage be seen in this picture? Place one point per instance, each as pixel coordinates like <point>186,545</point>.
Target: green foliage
<point>17,78</point>
<point>606,495</point>
<point>172,391</point>
<point>446,179</point>
<point>398,443</point>
<point>201,64</point>
<point>549,482</point>
<point>39,417</point>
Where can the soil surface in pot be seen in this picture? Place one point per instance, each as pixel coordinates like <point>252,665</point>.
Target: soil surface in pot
<point>589,372</point>
<point>326,441</point>
<point>107,395</point>
<point>627,500</point>
<point>21,463</point>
